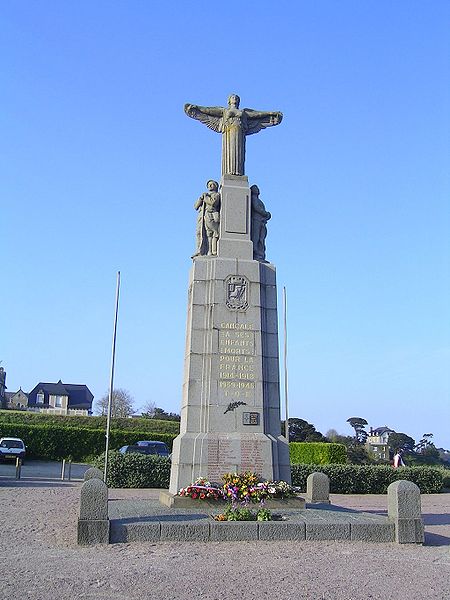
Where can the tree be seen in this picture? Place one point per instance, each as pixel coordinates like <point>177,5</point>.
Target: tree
<point>358,455</point>
<point>302,431</point>
<point>425,443</point>
<point>332,434</point>
<point>121,405</point>
<point>358,425</point>
<point>401,441</point>
<point>338,438</point>
<point>444,455</point>
<point>356,452</point>
<point>431,452</point>
<point>148,409</point>
<point>151,411</point>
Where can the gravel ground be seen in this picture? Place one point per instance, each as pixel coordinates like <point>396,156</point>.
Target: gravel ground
<point>41,561</point>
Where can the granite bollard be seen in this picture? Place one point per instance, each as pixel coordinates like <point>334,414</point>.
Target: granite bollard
<point>93,473</point>
<point>404,509</point>
<point>318,489</point>
<point>93,523</point>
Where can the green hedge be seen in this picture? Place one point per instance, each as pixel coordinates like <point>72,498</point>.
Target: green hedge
<point>369,479</point>
<point>317,453</point>
<point>446,476</point>
<point>135,470</point>
<point>139,423</point>
<point>53,442</point>
<point>140,471</point>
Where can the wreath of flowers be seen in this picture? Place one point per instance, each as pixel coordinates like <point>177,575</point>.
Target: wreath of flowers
<point>202,489</point>
<point>238,488</point>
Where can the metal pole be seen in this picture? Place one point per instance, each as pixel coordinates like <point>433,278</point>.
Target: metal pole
<point>63,468</point>
<point>111,380</point>
<point>70,469</point>
<point>18,467</point>
<point>286,422</point>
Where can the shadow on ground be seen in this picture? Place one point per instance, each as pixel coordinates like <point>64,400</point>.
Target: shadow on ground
<point>37,483</point>
<point>434,539</point>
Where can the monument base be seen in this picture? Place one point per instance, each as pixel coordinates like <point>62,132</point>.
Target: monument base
<point>211,455</point>
<point>230,413</point>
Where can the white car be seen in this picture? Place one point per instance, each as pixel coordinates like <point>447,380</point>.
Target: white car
<point>12,448</point>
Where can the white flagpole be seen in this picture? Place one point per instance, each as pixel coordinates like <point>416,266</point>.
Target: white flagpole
<point>111,380</point>
<point>286,422</point>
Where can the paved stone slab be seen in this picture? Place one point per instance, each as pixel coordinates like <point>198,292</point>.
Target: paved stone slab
<point>275,530</point>
<point>149,531</point>
<point>327,531</point>
<point>233,531</point>
<point>372,532</point>
<point>184,531</point>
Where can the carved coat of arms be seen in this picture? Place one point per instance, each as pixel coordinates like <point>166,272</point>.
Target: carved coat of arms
<point>236,292</point>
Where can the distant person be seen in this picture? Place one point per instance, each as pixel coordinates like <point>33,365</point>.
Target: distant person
<point>398,459</point>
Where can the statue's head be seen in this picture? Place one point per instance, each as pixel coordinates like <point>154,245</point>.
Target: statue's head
<point>234,100</point>
<point>254,189</point>
<point>212,185</point>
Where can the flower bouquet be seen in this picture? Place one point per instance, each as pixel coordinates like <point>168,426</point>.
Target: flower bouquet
<point>238,488</point>
<point>244,487</point>
<point>202,489</point>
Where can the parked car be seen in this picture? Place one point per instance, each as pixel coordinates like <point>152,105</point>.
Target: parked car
<point>146,447</point>
<point>130,449</point>
<point>12,448</point>
<point>156,447</point>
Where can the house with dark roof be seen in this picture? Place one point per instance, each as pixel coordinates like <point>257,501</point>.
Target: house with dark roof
<point>377,442</point>
<point>61,399</point>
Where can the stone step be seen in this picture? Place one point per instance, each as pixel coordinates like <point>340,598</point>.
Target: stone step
<point>207,529</point>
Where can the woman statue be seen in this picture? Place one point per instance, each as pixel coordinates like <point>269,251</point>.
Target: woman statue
<point>234,124</point>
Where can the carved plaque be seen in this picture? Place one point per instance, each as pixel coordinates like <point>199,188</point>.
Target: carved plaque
<point>236,292</point>
<point>250,418</point>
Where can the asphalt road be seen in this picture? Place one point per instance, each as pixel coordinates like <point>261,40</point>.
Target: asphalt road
<point>34,470</point>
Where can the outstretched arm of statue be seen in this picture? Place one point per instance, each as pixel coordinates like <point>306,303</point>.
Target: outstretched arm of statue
<point>258,120</point>
<point>211,116</point>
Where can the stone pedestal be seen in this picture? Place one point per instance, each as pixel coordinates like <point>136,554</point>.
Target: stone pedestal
<point>404,510</point>
<point>318,488</point>
<point>230,413</point>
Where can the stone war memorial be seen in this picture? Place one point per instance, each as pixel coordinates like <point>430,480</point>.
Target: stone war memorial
<point>230,412</point>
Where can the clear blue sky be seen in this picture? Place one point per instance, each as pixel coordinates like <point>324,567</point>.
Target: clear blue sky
<point>100,168</point>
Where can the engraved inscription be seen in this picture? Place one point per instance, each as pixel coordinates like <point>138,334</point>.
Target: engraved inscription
<point>223,456</point>
<point>249,326</point>
<point>236,360</point>
<point>236,342</point>
<point>251,456</point>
